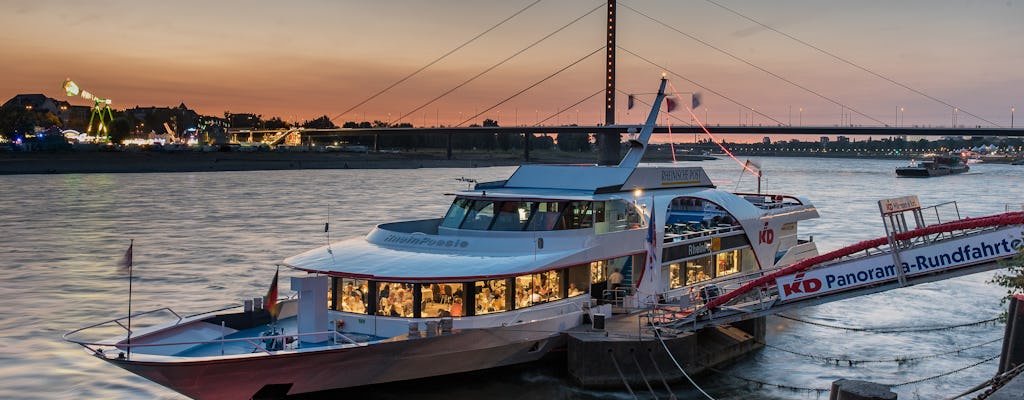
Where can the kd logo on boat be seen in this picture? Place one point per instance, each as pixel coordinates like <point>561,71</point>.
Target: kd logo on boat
<point>799,285</point>
<point>766,236</point>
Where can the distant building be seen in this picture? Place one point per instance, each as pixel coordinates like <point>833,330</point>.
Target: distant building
<point>70,116</point>
<point>152,119</point>
<point>824,140</point>
<point>842,139</point>
<point>766,140</point>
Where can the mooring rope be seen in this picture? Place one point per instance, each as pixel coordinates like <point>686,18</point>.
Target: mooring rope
<point>671,396</point>
<point>821,390</point>
<point>944,374</point>
<point>891,329</point>
<point>851,362</point>
<point>993,384</point>
<point>643,376</point>
<point>621,375</point>
<point>775,385</point>
<point>676,362</point>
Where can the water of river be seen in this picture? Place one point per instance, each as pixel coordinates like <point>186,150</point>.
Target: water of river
<point>209,240</point>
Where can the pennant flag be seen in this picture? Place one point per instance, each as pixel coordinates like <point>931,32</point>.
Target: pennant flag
<point>327,226</point>
<point>670,103</point>
<point>629,102</point>
<point>695,100</point>
<point>271,302</point>
<point>126,260</point>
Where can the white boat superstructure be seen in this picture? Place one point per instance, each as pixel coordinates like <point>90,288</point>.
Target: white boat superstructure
<point>496,281</point>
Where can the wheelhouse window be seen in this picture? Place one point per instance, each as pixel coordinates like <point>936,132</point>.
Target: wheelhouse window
<point>442,300</point>
<point>490,296</point>
<point>518,215</point>
<point>616,216</point>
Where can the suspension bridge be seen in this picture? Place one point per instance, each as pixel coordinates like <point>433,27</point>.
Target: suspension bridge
<point>609,132</point>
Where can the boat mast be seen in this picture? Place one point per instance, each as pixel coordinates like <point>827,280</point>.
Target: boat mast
<point>639,145</point>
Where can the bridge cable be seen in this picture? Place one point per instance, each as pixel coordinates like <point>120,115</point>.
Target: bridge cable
<point>666,69</point>
<point>489,69</point>
<point>657,332</point>
<point>445,55</point>
<point>532,86</point>
<point>852,362</point>
<point>895,329</point>
<point>621,375</point>
<point>850,63</point>
<point>737,58</point>
<point>568,107</point>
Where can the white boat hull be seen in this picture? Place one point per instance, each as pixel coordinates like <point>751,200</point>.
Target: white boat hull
<point>389,361</point>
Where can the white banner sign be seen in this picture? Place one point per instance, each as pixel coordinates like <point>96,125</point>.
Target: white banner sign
<point>924,259</point>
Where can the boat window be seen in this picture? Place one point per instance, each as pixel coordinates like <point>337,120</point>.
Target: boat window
<point>351,295</point>
<point>727,263</point>
<point>546,216</point>
<point>616,216</point>
<point>578,215</point>
<point>490,296</point>
<point>699,270</point>
<point>442,300</point>
<point>579,280</point>
<point>537,288</point>
<point>456,213</point>
<point>394,299</point>
<point>675,273</point>
<point>479,216</point>
<point>513,215</point>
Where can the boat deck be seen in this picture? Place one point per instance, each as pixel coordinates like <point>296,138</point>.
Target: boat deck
<point>254,340</point>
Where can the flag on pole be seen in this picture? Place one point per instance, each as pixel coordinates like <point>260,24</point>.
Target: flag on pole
<point>670,103</point>
<point>629,102</point>
<point>271,302</point>
<point>695,101</point>
<point>753,167</point>
<point>651,244</point>
<point>126,260</point>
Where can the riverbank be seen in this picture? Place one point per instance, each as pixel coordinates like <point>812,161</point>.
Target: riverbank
<point>189,161</point>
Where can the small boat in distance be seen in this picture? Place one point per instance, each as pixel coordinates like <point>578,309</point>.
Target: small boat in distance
<point>936,165</point>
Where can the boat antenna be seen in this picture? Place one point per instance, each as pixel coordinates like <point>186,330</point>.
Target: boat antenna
<point>327,233</point>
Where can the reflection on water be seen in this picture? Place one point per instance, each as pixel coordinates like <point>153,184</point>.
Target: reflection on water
<point>208,240</point>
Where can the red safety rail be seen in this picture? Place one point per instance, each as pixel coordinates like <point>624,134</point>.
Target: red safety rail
<point>1012,218</point>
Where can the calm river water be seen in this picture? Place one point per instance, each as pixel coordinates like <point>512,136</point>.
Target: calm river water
<point>209,240</point>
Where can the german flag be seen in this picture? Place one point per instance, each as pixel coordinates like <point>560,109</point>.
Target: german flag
<point>271,302</point>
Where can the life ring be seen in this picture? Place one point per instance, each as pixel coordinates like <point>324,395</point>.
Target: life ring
<point>777,198</point>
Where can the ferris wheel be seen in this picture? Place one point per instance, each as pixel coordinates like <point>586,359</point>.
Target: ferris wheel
<point>101,112</point>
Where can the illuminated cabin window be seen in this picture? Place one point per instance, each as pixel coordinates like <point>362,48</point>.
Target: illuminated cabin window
<point>699,270</point>
<point>490,296</point>
<point>538,288</point>
<point>442,300</point>
<point>348,295</point>
<point>394,299</point>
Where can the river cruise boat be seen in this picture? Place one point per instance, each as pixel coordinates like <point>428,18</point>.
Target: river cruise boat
<point>496,281</point>
<point>936,165</point>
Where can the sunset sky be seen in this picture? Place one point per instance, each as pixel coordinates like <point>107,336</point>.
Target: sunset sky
<point>302,59</point>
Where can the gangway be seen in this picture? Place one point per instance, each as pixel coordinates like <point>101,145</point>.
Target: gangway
<point>928,253</point>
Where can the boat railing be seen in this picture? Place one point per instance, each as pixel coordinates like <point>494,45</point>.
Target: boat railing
<point>263,343</point>
<point>121,322</point>
<point>684,232</point>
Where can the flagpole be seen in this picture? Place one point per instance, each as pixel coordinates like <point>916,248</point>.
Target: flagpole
<point>130,262</point>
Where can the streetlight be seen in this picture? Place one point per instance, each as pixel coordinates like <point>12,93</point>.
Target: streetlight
<point>1012,109</point>
<point>801,116</point>
<point>902,121</point>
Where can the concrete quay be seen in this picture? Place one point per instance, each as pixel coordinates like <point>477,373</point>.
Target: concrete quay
<point>628,352</point>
